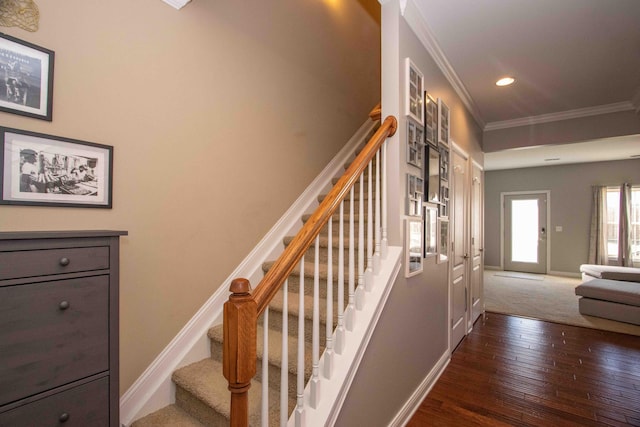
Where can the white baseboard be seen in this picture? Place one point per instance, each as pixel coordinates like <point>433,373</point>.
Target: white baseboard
<point>412,405</point>
<point>154,389</point>
<point>493,267</point>
<point>564,273</point>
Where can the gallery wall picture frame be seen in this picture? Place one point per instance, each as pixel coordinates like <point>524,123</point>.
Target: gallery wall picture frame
<point>413,247</point>
<point>444,181</point>
<point>443,240</point>
<point>443,123</point>
<point>430,230</point>
<point>415,186</point>
<point>415,138</point>
<point>431,174</point>
<point>430,120</point>
<point>28,73</point>
<point>46,170</point>
<point>414,92</point>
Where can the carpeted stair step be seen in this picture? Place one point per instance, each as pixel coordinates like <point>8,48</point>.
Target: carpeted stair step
<point>309,255</point>
<point>356,199</point>
<point>274,356</point>
<point>276,308</point>
<point>335,180</point>
<point>201,390</point>
<point>169,416</point>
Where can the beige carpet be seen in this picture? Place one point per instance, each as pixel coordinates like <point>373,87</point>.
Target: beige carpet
<point>552,298</point>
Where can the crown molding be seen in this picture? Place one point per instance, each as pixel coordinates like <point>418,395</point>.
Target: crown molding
<point>562,115</point>
<point>178,4</point>
<point>418,23</point>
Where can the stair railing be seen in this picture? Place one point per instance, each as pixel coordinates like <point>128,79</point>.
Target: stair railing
<point>242,310</point>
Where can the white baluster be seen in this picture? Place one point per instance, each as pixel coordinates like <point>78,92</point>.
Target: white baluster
<point>351,309</point>
<point>315,342</point>
<point>384,246</point>
<point>360,289</point>
<point>328,353</point>
<point>264,410</point>
<point>284,370</point>
<point>299,412</point>
<point>368,274</point>
<point>340,328</point>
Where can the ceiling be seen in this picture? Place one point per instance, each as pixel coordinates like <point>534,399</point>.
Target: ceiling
<point>566,56</point>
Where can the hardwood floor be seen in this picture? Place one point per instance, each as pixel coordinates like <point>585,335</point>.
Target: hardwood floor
<point>514,371</point>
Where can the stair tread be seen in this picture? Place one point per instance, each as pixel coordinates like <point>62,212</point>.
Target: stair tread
<point>204,381</point>
<point>275,349</point>
<point>277,305</point>
<point>169,416</point>
<point>324,242</point>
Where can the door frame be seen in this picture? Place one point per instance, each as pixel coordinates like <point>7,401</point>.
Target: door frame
<point>502,220</point>
<point>473,244</point>
<point>466,243</point>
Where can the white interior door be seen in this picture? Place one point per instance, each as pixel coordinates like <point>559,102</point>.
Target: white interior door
<point>459,244</point>
<point>477,242</point>
<point>525,232</point>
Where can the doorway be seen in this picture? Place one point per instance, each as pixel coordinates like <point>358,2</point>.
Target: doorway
<point>525,231</point>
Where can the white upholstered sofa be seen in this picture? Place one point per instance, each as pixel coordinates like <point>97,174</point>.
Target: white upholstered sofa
<point>610,292</point>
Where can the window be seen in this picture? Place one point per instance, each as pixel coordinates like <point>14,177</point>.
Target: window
<point>613,222</point>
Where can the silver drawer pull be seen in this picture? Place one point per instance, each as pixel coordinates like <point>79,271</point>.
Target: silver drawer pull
<point>64,417</point>
<point>64,261</point>
<point>63,305</point>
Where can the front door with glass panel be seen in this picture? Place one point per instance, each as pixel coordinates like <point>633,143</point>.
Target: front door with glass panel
<point>525,233</point>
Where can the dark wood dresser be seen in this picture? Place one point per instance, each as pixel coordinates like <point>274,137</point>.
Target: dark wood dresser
<point>59,328</point>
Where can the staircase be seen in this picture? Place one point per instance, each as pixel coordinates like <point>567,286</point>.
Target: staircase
<point>201,392</point>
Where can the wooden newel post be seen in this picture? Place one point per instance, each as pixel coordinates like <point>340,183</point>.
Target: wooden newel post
<point>239,350</point>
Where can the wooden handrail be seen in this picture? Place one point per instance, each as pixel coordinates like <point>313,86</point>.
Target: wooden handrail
<point>284,265</point>
<point>244,307</point>
<point>376,113</point>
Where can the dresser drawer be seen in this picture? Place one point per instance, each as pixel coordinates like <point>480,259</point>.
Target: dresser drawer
<point>52,333</point>
<point>82,406</point>
<point>14,265</point>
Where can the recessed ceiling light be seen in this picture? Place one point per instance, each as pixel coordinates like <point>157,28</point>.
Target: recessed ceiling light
<point>505,81</point>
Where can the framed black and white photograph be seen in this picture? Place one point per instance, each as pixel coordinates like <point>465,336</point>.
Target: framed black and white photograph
<point>47,170</point>
<point>414,92</point>
<point>413,247</point>
<point>432,174</point>
<point>415,187</point>
<point>443,123</point>
<point>430,120</point>
<point>430,230</point>
<point>27,71</point>
<point>415,138</point>
<point>443,240</point>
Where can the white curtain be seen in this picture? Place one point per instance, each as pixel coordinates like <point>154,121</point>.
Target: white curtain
<point>624,230</point>
<point>598,235</point>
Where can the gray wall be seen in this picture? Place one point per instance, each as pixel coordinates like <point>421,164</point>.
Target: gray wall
<point>570,187</point>
<point>412,334</point>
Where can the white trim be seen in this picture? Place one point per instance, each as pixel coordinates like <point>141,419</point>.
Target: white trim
<point>562,115</point>
<point>518,193</point>
<point>178,4</point>
<point>412,405</point>
<point>412,13</point>
<point>334,391</point>
<point>493,267</point>
<point>154,389</point>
